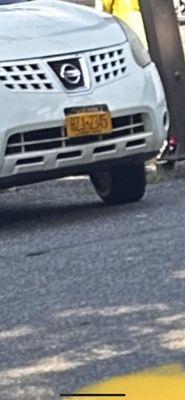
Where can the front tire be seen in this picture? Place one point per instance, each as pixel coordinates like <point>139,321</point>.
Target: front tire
<point>121,184</point>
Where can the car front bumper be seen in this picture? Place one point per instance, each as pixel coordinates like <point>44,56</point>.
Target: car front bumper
<point>29,112</point>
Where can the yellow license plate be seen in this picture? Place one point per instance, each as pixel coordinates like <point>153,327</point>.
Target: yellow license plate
<point>88,123</point>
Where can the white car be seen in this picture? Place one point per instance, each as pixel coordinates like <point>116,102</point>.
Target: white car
<point>78,94</point>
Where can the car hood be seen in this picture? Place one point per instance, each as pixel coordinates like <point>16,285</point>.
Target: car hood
<point>42,28</point>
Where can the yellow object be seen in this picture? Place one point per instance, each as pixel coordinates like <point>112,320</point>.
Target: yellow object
<point>128,11</point>
<point>164,383</point>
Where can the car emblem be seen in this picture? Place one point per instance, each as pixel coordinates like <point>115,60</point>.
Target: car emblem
<point>70,73</point>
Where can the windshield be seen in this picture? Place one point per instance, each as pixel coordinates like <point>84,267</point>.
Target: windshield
<point>3,2</point>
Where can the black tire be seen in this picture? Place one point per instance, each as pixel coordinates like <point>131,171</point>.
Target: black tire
<point>121,184</point>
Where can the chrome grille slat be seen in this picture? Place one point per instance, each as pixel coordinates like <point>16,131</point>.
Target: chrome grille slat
<point>128,127</point>
<point>23,142</point>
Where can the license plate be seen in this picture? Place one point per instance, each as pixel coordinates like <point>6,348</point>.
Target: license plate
<point>91,121</point>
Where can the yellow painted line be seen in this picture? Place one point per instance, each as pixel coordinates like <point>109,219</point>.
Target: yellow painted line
<point>164,383</point>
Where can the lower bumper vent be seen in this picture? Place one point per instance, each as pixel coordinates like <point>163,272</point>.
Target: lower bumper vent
<point>56,138</point>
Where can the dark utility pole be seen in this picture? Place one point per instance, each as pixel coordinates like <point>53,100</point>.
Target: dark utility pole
<point>166,50</point>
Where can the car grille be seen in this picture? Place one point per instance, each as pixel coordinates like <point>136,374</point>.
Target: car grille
<point>105,65</point>
<point>24,76</point>
<point>108,65</point>
<point>55,138</point>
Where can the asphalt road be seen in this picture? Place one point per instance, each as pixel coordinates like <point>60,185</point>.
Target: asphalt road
<point>88,291</point>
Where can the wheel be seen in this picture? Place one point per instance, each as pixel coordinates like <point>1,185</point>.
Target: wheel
<point>120,184</point>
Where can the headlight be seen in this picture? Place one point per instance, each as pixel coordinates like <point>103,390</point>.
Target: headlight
<point>139,52</point>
